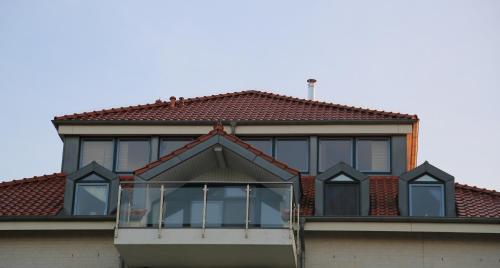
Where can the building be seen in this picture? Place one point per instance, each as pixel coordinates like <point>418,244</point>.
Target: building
<point>245,179</point>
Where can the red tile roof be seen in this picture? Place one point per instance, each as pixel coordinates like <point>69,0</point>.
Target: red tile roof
<point>476,202</point>
<point>44,196</point>
<point>37,196</point>
<point>470,201</point>
<point>218,130</point>
<point>384,195</point>
<point>248,105</point>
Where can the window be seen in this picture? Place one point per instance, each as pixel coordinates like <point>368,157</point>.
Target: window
<point>373,155</point>
<point>91,196</point>
<point>341,196</point>
<point>293,152</point>
<point>426,197</point>
<point>132,154</point>
<point>263,144</point>
<point>169,145</point>
<point>100,151</point>
<point>333,151</point>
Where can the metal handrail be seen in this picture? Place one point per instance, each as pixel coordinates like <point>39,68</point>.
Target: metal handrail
<point>163,188</point>
<point>204,182</point>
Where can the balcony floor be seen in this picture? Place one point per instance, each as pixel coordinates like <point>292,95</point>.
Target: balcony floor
<point>186,247</point>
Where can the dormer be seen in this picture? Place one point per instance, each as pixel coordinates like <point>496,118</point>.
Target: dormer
<point>342,191</point>
<point>427,191</point>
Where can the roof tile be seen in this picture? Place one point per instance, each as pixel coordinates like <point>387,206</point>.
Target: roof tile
<point>250,105</point>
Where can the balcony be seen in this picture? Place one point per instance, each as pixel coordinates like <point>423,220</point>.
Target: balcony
<point>216,224</point>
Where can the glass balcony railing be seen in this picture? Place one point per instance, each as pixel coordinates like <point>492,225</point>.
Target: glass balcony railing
<point>169,205</point>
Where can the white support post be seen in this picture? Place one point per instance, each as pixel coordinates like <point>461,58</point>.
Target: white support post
<point>118,204</point>
<point>247,215</point>
<point>160,218</point>
<point>203,219</point>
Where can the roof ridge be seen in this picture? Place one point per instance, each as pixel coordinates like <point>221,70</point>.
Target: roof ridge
<point>160,103</point>
<point>477,189</point>
<point>32,179</point>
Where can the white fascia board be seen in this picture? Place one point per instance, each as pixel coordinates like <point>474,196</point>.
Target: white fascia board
<point>367,129</point>
<point>56,225</point>
<point>409,227</point>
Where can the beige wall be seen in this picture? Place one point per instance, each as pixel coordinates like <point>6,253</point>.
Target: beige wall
<point>357,250</point>
<point>58,249</point>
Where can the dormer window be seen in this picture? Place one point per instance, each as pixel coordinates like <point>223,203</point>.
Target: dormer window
<point>342,191</point>
<point>341,196</point>
<point>91,190</point>
<point>426,191</point>
<point>91,196</point>
<point>426,197</point>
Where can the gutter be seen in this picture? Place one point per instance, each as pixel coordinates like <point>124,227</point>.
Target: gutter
<point>57,218</point>
<point>57,123</point>
<point>400,219</point>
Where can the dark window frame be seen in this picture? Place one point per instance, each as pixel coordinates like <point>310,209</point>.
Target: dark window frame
<point>257,138</point>
<point>389,143</point>
<point>308,141</point>
<point>117,143</point>
<point>84,139</point>
<point>416,183</point>
<point>172,138</point>
<point>353,155</point>
<point>329,183</point>
<point>81,182</point>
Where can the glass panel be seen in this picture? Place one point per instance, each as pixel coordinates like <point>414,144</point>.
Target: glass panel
<point>373,155</point>
<point>341,178</point>
<point>183,206</point>
<point>426,178</point>
<point>99,151</point>
<point>91,199</point>
<point>426,200</point>
<point>294,153</point>
<point>140,205</point>
<point>264,145</point>
<point>132,155</point>
<point>332,152</point>
<point>341,199</point>
<point>92,178</point>
<point>169,145</point>
<point>270,206</point>
<point>226,206</point>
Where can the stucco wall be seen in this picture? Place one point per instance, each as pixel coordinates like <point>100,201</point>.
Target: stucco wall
<point>68,249</point>
<point>357,250</point>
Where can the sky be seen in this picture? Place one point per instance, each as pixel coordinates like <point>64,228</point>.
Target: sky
<point>439,59</point>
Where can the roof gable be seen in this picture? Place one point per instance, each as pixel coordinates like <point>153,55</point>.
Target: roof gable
<point>244,106</point>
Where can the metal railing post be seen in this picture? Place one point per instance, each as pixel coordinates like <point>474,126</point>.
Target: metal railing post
<point>290,220</point>
<point>203,224</point>
<point>247,218</point>
<point>160,218</point>
<point>118,205</point>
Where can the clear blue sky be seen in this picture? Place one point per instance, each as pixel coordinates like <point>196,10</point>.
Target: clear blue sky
<point>438,59</point>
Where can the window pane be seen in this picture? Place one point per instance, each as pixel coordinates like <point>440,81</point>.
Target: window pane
<point>332,152</point>
<point>294,153</point>
<point>99,151</point>
<point>341,199</point>
<point>132,155</point>
<point>373,155</point>
<point>91,199</point>
<point>426,200</point>
<point>264,145</point>
<point>167,146</point>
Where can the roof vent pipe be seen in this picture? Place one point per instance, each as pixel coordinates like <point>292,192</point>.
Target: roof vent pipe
<point>172,102</point>
<point>310,89</point>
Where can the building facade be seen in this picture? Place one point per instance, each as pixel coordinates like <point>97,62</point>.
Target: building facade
<point>245,179</point>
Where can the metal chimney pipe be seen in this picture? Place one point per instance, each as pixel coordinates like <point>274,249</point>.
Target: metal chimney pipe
<point>310,88</point>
